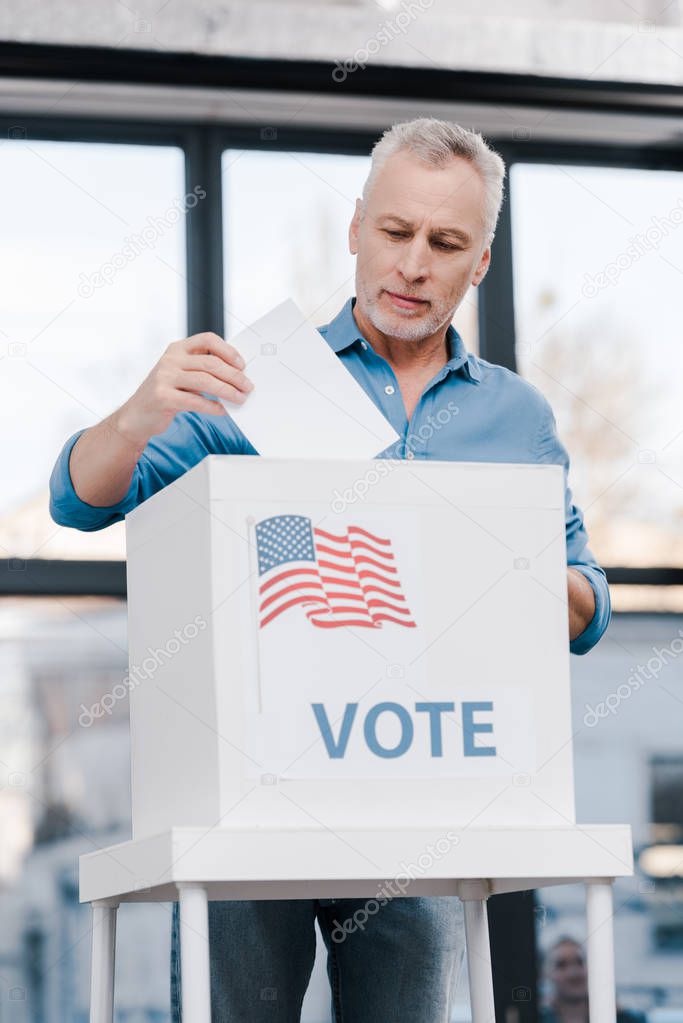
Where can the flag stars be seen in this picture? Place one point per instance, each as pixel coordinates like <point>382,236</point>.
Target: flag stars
<point>282,539</point>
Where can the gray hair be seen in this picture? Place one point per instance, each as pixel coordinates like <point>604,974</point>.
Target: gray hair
<point>437,142</point>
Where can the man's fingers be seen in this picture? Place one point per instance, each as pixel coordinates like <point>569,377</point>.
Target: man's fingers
<point>216,367</point>
<point>210,385</point>
<point>188,401</point>
<point>214,345</point>
<point>197,381</point>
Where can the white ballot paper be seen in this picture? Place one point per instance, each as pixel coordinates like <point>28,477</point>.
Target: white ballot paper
<point>305,403</point>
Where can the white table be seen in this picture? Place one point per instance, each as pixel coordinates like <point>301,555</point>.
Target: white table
<point>195,865</point>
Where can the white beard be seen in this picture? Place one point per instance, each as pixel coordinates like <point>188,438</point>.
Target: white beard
<point>405,326</point>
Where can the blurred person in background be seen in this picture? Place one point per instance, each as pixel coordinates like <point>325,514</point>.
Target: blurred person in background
<point>565,972</point>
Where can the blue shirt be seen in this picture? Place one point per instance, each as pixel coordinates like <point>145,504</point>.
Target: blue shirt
<point>471,411</point>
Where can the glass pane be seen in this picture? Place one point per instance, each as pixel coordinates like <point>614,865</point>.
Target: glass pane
<point>286,219</point>
<point>92,258</point>
<point>597,282</point>
<point>626,704</point>
<point>65,791</point>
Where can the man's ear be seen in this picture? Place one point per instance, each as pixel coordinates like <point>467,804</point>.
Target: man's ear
<point>483,266</point>
<point>353,228</point>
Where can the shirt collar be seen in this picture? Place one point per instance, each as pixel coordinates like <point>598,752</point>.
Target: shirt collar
<point>343,331</point>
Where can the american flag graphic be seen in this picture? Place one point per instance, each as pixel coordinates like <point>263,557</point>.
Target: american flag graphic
<point>348,579</point>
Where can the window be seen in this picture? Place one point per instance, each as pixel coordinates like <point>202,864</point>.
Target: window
<point>92,258</point>
<point>665,857</point>
<point>65,791</point>
<point>597,275</point>
<point>666,777</point>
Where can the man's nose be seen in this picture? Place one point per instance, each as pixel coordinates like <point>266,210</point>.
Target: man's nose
<point>414,263</point>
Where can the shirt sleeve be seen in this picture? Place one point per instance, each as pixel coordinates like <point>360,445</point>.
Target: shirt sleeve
<point>579,556</point>
<point>188,439</point>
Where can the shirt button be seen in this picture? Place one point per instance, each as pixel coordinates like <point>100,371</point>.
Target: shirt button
<point>410,454</point>
<point>364,346</point>
<point>388,389</point>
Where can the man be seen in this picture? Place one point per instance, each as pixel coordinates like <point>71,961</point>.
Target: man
<point>421,234</point>
<point>565,970</point>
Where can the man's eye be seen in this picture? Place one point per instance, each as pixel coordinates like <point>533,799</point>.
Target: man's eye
<point>446,247</point>
<point>396,234</point>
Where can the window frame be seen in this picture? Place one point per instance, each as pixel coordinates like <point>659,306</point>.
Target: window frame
<point>203,146</point>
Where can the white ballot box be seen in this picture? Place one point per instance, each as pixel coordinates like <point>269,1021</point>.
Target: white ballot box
<point>350,645</point>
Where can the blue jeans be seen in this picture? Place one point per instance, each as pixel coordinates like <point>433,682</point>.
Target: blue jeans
<point>399,961</point>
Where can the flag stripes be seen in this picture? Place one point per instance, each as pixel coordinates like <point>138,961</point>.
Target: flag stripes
<point>338,580</point>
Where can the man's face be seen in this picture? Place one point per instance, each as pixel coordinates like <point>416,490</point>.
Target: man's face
<point>421,238</point>
<point>567,971</point>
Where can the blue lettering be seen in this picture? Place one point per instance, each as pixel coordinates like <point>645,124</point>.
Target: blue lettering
<point>371,729</point>
<point>435,710</point>
<point>469,727</point>
<point>337,749</point>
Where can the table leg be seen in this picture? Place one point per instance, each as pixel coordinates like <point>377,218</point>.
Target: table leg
<point>194,953</point>
<point>600,951</point>
<point>102,963</point>
<point>479,960</point>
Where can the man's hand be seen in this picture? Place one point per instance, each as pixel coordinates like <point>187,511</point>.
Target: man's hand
<point>103,459</point>
<point>581,602</point>
<point>203,362</point>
